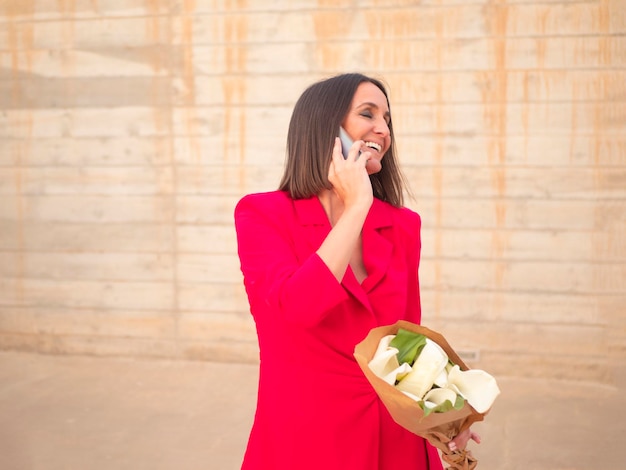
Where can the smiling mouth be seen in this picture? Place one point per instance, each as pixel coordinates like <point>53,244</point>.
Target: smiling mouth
<point>373,145</point>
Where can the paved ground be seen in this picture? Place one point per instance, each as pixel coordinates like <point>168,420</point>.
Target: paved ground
<point>83,413</point>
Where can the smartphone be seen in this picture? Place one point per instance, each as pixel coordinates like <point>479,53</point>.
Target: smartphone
<point>346,142</point>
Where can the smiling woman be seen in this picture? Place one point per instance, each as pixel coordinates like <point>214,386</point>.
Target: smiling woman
<point>326,258</point>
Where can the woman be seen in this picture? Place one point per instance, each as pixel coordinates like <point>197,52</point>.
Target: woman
<point>327,257</point>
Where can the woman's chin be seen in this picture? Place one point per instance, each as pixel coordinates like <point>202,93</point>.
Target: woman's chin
<point>373,166</point>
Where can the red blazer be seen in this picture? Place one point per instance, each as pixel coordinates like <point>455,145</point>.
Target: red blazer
<point>315,408</point>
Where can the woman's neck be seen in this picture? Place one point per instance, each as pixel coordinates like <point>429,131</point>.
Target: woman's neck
<point>333,206</point>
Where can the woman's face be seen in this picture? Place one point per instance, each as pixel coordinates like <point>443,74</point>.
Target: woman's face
<point>368,120</point>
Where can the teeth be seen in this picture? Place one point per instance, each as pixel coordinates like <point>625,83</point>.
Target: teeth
<point>373,145</point>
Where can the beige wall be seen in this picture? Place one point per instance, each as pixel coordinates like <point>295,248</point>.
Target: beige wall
<point>129,129</point>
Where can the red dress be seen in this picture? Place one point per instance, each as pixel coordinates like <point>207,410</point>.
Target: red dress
<point>316,410</point>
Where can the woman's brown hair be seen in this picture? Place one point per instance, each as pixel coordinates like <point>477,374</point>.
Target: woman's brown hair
<point>314,124</point>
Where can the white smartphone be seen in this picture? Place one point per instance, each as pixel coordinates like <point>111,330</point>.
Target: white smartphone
<point>346,142</point>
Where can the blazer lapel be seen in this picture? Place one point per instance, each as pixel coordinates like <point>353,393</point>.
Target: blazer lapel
<point>377,249</point>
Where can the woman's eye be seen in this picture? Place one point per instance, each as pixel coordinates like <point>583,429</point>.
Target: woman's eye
<point>366,114</point>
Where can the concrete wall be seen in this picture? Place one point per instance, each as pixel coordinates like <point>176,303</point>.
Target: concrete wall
<point>130,128</point>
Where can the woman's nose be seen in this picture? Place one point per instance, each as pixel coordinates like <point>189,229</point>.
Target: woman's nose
<point>382,128</point>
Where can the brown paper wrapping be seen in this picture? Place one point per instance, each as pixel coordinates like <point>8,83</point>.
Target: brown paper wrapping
<point>438,428</point>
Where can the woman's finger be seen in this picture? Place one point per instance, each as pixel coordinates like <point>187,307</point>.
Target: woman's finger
<point>337,154</point>
<point>461,440</point>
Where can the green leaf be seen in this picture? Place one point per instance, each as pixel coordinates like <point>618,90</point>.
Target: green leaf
<point>460,401</point>
<point>409,345</point>
<point>445,406</point>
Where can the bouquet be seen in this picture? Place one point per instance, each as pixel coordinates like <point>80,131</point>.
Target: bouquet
<point>426,387</point>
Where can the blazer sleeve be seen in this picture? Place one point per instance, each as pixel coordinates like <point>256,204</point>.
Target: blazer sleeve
<point>276,281</point>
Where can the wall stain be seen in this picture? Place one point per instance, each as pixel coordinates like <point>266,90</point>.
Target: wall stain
<point>159,32</point>
<point>234,88</point>
<point>526,97</point>
<point>66,9</point>
<point>155,32</point>
<point>574,121</point>
<point>440,131</point>
<point>495,103</point>
<point>20,35</point>
<point>188,77</point>
<point>608,224</point>
<point>330,27</point>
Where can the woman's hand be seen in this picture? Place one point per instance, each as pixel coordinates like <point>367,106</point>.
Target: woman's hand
<point>346,206</point>
<point>460,441</point>
<point>349,176</point>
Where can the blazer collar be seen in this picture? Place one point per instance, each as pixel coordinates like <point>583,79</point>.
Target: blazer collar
<point>310,211</point>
